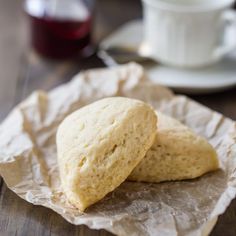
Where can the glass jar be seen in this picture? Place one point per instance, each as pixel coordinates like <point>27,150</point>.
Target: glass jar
<point>60,29</point>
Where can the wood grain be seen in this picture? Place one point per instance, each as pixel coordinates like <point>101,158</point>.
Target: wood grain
<point>13,42</point>
<point>21,218</point>
<point>22,71</point>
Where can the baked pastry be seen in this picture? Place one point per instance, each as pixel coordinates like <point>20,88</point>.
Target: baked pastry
<point>100,144</point>
<point>177,153</point>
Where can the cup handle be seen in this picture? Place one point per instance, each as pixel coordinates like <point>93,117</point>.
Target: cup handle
<point>229,39</point>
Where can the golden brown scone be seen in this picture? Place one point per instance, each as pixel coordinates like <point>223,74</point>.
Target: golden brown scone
<point>100,144</point>
<point>177,153</point>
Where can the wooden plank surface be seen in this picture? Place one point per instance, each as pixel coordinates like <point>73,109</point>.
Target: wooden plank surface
<point>22,71</point>
<point>12,44</point>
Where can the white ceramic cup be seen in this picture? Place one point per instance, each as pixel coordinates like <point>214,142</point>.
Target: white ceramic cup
<point>188,33</point>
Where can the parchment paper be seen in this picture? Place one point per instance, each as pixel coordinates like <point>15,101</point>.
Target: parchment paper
<point>28,159</point>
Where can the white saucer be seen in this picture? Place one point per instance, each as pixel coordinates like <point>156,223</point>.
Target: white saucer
<point>218,77</point>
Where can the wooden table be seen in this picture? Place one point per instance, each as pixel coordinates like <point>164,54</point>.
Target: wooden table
<point>22,71</point>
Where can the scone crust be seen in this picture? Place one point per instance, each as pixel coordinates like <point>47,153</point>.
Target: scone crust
<point>100,144</point>
<point>176,154</point>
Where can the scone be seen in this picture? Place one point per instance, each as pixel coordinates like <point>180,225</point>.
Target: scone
<point>177,154</point>
<point>100,144</point>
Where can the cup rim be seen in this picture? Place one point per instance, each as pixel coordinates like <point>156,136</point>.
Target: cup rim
<point>180,8</point>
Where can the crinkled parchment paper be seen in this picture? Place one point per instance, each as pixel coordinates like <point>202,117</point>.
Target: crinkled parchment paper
<point>28,159</point>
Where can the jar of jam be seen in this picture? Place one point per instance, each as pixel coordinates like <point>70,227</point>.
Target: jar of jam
<point>60,29</point>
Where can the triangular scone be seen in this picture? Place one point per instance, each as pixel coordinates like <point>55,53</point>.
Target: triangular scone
<point>100,144</point>
<point>177,153</point>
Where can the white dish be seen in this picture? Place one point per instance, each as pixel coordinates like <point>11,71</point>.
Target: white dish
<point>218,77</point>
